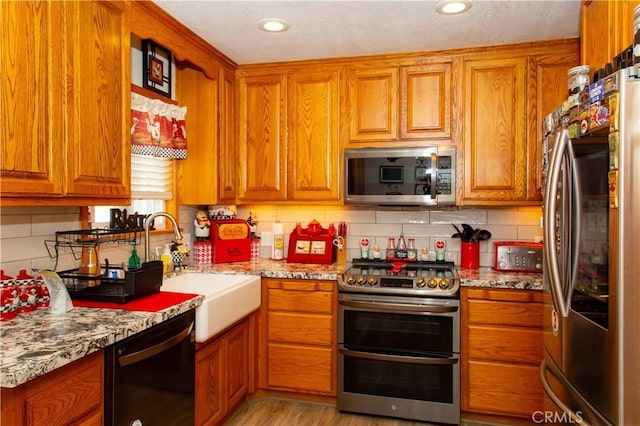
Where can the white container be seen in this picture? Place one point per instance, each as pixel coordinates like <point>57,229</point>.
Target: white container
<point>578,79</point>
<point>277,248</point>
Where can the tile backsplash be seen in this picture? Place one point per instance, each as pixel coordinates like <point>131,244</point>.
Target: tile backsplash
<point>24,230</point>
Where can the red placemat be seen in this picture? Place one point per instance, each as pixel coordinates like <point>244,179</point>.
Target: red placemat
<point>151,303</point>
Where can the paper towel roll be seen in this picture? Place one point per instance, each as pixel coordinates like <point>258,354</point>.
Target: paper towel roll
<point>277,248</point>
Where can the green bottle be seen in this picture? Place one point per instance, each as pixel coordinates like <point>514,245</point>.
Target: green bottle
<point>134,259</point>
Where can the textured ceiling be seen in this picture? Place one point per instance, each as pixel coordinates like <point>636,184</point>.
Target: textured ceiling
<point>327,29</point>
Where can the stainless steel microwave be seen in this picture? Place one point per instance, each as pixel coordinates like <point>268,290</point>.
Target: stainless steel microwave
<point>400,176</point>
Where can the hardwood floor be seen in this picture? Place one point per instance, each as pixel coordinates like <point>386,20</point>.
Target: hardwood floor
<point>270,411</point>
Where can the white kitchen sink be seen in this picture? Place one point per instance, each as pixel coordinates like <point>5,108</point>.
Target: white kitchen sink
<point>229,298</point>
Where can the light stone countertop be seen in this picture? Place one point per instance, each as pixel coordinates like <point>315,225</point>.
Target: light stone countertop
<point>36,343</point>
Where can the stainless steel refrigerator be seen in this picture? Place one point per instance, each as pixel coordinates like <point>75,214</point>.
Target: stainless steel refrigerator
<point>591,367</point>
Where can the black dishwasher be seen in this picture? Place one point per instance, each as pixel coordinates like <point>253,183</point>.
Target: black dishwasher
<point>150,376</point>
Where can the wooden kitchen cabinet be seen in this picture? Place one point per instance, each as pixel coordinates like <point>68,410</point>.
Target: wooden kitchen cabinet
<point>198,173</point>
<point>547,90</point>
<point>495,123</point>
<point>313,154</point>
<point>227,137</point>
<point>289,141</point>
<point>501,351</point>
<point>506,95</point>
<point>297,336</point>
<point>606,29</point>
<point>223,373</point>
<point>389,103</point>
<point>374,104</point>
<point>65,110</point>
<point>73,394</point>
<point>262,141</point>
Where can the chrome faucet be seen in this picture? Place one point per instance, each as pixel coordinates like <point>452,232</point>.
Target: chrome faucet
<point>147,224</point>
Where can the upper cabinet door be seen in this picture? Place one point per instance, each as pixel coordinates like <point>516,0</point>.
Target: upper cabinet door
<point>262,138</point>
<point>495,124</point>
<point>98,96</point>
<point>606,30</point>
<point>313,116</point>
<point>425,101</point>
<point>373,95</point>
<point>227,138</point>
<point>197,174</point>
<point>32,101</point>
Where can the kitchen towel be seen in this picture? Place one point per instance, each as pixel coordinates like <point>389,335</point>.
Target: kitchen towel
<point>151,303</point>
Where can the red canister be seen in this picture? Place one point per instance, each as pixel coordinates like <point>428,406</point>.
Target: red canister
<point>27,291</point>
<point>42,290</point>
<point>9,299</point>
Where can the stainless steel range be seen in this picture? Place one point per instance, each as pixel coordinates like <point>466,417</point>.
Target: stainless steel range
<point>399,340</point>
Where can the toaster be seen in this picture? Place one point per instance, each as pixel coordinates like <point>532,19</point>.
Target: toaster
<point>517,256</point>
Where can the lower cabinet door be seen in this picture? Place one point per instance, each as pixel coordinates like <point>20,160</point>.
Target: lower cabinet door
<point>298,367</point>
<point>504,388</point>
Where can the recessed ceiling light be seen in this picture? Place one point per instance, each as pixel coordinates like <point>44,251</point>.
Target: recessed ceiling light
<point>451,7</point>
<point>273,25</point>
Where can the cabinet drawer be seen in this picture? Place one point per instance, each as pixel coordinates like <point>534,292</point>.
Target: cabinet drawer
<point>504,313</point>
<point>300,301</point>
<point>305,368</point>
<point>300,328</point>
<point>523,345</point>
<point>504,388</point>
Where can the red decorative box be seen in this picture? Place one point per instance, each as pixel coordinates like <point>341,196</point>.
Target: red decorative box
<point>231,241</point>
<point>312,245</point>
<point>202,252</point>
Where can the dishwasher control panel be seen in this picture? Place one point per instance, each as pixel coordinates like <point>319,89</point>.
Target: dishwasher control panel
<point>517,256</point>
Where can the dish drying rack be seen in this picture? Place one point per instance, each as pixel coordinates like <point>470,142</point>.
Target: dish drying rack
<point>74,241</point>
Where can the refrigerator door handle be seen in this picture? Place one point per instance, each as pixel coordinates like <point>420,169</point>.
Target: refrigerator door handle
<point>576,206</point>
<point>550,206</point>
<point>575,417</point>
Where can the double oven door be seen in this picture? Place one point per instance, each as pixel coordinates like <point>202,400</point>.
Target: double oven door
<point>399,356</point>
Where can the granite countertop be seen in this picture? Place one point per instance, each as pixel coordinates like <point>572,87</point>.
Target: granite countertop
<point>36,343</point>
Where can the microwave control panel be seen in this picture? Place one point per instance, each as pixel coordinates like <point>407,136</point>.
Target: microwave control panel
<point>443,181</point>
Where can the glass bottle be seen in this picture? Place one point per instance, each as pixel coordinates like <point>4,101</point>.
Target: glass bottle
<point>412,253</point>
<point>401,249</point>
<point>391,248</point>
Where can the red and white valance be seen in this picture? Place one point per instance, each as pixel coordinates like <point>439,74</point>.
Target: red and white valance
<point>158,129</point>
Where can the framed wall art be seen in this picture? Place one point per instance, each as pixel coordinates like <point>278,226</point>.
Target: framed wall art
<point>156,68</point>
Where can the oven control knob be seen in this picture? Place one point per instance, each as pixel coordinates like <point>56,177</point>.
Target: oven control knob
<point>351,279</point>
<point>420,282</point>
<point>432,283</point>
<point>372,281</point>
<point>360,280</point>
<point>444,283</point>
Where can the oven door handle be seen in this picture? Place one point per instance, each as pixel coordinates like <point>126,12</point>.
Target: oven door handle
<point>391,307</point>
<point>398,358</point>
<point>155,349</point>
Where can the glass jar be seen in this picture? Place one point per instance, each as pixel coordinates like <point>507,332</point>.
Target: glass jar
<point>578,79</point>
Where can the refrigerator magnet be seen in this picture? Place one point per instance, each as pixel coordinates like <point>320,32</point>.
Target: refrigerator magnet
<point>613,189</point>
<point>613,150</point>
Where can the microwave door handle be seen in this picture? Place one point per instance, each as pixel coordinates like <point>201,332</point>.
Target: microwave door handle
<point>550,206</point>
<point>434,173</point>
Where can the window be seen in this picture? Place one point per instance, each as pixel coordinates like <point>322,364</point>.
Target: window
<point>152,186</point>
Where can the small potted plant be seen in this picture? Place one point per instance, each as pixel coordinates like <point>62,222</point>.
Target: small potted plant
<point>470,244</point>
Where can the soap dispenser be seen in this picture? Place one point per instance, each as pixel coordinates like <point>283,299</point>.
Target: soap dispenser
<point>134,259</point>
<point>166,258</point>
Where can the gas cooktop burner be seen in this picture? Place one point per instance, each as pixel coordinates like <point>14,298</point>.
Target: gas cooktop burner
<point>411,278</point>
